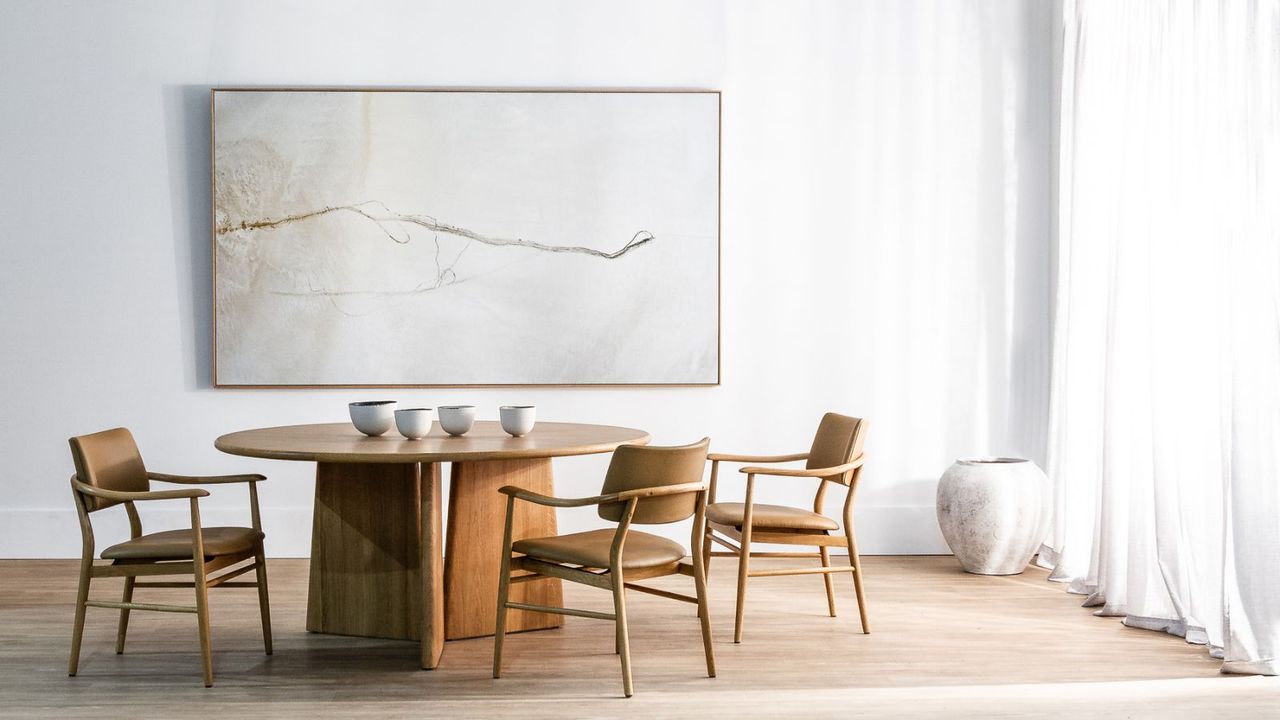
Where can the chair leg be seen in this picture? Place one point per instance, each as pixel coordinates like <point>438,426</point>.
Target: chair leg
<point>826,580</point>
<point>704,615</point>
<point>744,567</point>
<point>617,637</point>
<point>504,591</point>
<point>620,622</point>
<point>264,602</point>
<point>707,544</point>
<point>202,618</point>
<point>122,628</point>
<point>856,562</point>
<point>500,627</point>
<point>77,628</point>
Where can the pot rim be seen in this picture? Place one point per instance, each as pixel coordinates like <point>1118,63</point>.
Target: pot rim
<point>991,460</point>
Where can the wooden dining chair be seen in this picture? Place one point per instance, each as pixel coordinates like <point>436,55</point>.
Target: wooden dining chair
<point>835,457</point>
<point>109,471</point>
<point>643,486</point>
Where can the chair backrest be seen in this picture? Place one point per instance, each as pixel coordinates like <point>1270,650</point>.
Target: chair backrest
<point>635,467</point>
<point>838,441</point>
<point>108,460</point>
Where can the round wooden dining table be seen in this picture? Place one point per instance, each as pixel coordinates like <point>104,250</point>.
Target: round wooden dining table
<point>378,567</point>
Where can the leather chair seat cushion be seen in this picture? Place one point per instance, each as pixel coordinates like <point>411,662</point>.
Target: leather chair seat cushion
<point>591,549</point>
<point>177,544</point>
<point>770,516</point>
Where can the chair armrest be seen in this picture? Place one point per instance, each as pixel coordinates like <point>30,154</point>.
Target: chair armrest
<point>205,479</point>
<point>805,472</point>
<point>540,499</point>
<point>658,491</point>
<point>118,496</point>
<point>731,457</point>
<point>520,493</point>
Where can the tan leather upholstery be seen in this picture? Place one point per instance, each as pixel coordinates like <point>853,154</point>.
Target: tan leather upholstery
<point>764,517</point>
<point>109,460</point>
<point>838,440</point>
<point>177,544</point>
<point>591,549</point>
<point>638,466</point>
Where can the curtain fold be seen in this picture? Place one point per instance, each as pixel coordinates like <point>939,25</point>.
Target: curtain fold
<point>1164,440</point>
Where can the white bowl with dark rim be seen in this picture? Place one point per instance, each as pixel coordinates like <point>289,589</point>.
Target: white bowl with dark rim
<point>456,419</point>
<point>373,417</point>
<point>517,420</point>
<point>413,423</point>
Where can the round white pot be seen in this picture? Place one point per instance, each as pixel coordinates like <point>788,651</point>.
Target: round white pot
<point>456,419</point>
<point>517,420</point>
<point>373,417</point>
<point>994,513</point>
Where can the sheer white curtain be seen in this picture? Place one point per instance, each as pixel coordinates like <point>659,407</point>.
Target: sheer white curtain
<point>1164,443</point>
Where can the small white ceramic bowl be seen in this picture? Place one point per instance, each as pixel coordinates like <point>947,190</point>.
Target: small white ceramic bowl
<point>414,423</point>
<point>456,419</point>
<point>373,417</point>
<point>517,420</point>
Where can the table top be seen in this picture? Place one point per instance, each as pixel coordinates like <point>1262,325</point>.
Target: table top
<point>341,442</point>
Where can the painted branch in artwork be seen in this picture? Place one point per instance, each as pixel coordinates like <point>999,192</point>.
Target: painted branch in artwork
<point>429,223</point>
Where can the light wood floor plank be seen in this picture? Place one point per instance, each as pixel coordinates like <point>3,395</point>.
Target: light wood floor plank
<point>943,643</point>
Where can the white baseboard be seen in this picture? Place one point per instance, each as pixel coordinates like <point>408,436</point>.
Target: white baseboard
<point>55,533</point>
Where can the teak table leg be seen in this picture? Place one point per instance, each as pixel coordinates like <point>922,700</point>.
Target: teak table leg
<point>365,550</point>
<point>477,515</point>
<point>432,571</point>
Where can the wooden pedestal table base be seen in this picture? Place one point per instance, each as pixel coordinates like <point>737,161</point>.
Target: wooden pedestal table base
<point>371,525</point>
<point>377,569</point>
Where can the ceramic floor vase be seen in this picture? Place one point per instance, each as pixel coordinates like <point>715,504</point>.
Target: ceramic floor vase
<point>994,513</point>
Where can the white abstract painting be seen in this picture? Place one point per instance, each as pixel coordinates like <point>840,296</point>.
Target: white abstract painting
<point>466,238</point>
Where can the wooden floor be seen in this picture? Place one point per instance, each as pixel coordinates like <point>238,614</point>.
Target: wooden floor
<point>943,643</point>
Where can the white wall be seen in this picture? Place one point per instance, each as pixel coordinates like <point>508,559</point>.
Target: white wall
<point>885,230</point>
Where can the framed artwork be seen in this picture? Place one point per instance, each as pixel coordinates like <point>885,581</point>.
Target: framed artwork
<point>449,238</point>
